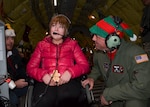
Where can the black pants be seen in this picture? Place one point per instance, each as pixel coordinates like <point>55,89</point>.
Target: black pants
<point>15,94</point>
<point>66,95</point>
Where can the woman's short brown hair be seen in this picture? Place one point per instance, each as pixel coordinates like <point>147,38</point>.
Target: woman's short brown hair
<point>62,19</point>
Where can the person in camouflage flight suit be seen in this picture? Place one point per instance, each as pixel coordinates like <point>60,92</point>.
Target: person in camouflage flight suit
<point>124,65</point>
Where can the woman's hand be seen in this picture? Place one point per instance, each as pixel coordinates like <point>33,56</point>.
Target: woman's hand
<point>46,78</point>
<point>65,78</point>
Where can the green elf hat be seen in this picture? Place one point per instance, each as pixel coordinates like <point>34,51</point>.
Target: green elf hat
<point>107,26</point>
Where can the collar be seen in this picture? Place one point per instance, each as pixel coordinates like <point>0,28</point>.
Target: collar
<point>112,54</point>
<point>9,53</point>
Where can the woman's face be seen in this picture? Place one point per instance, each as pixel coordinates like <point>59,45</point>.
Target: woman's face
<point>57,31</point>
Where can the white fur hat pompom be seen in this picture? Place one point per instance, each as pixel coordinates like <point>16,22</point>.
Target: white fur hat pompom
<point>9,31</point>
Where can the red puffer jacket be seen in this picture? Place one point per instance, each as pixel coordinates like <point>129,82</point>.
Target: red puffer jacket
<point>48,57</point>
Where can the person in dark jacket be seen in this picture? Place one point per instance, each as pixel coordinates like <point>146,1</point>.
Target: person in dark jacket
<point>15,68</point>
<point>56,64</point>
<point>145,26</point>
<point>124,66</point>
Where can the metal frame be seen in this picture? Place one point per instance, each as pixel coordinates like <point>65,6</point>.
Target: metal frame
<point>4,89</point>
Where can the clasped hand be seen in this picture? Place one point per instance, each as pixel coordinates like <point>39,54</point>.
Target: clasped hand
<point>64,78</point>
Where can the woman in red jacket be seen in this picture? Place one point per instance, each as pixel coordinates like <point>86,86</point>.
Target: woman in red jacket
<point>56,64</point>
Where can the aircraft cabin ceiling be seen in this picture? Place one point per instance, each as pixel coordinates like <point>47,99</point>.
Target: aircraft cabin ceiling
<point>30,18</point>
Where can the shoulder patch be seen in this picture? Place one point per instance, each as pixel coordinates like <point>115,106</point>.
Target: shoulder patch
<point>141,58</point>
